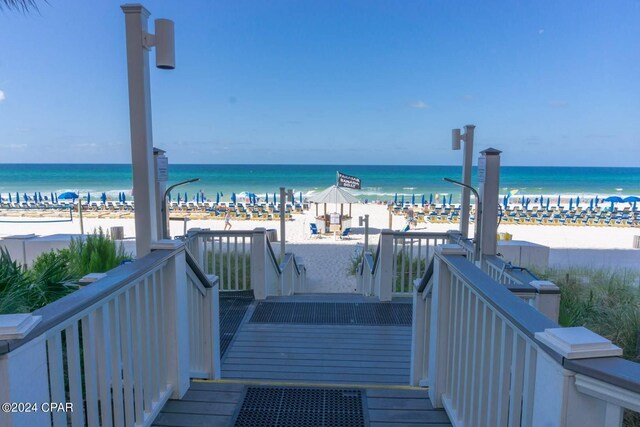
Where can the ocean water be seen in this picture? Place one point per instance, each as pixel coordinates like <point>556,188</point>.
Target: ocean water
<point>378,182</point>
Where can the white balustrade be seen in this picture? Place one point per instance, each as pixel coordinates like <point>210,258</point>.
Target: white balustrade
<point>491,359</point>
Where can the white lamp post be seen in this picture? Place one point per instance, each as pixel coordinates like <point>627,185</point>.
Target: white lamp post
<point>139,43</point>
<point>467,163</point>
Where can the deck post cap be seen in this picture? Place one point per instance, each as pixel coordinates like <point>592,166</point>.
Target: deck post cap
<point>578,343</point>
<point>17,326</point>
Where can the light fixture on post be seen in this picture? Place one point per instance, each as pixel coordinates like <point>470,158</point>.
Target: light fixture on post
<point>139,42</point>
<point>165,223</point>
<point>478,233</point>
<point>467,163</point>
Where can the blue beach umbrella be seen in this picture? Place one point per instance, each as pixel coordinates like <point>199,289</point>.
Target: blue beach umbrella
<point>35,197</point>
<point>597,201</point>
<point>39,197</point>
<point>505,202</point>
<point>413,199</point>
<point>24,197</point>
<point>168,196</point>
<point>548,202</point>
<point>632,199</point>
<point>17,197</point>
<point>558,201</point>
<point>217,198</point>
<point>186,198</point>
<point>613,199</point>
<point>526,204</point>
<point>197,197</point>
<point>403,200</point>
<point>10,201</point>
<point>422,200</point>
<point>444,201</point>
<point>274,199</point>
<point>67,195</point>
<point>450,197</point>
<point>233,198</point>
<point>88,198</point>
<point>51,197</point>
<point>266,197</point>
<point>541,200</point>
<point>103,197</point>
<point>430,198</point>
<point>591,204</point>
<point>570,203</point>
<point>577,201</point>
<point>395,199</point>
<point>301,197</point>
<point>178,198</point>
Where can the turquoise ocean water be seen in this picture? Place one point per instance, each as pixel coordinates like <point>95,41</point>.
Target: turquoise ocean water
<point>378,182</point>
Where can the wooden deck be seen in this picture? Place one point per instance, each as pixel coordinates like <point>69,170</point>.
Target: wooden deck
<point>372,358</point>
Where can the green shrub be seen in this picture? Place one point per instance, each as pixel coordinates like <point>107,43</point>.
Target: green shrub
<point>95,254</point>
<point>228,266</point>
<point>603,300</point>
<point>13,285</point>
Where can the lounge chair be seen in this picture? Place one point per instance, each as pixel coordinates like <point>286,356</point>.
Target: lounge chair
<point>345,233</point>
<point>314,231</point>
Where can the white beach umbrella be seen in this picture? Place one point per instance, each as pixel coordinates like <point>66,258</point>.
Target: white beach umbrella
<point>334,194</point>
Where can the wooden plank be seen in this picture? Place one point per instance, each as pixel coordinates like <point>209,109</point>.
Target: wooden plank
<point>191,420</point>
<point>397,403</point>
<point>401,393</point>
<point>326,351</point>
<point>211,396</point>
<point>201,408</point>
<point>389,416</point>
<point>286,367</point>
<point>318,356</point>
<point>424,424</point>
<point>216,386</point>
<point>311,377</point>
<point>310,362</point>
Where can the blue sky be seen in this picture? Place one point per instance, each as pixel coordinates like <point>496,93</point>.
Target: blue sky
<point>356,82</point>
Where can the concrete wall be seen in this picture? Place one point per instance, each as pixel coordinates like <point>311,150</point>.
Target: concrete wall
<point>524,254</point>
<point>26,248</point>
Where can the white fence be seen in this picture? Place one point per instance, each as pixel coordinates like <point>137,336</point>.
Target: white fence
<point>490,359</point>
<point>400,259</point>
<point>117,349</point>
<point>245,260</point>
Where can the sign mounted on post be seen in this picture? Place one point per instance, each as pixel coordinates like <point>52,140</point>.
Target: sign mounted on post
<point>163,168</point>
<point>348,181</point>
<point>482,169</point>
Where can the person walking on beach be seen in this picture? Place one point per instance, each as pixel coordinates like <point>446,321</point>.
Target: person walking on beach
<point>227,223</point>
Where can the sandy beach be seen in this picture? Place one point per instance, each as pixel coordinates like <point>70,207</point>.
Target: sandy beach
<point>328,258</point>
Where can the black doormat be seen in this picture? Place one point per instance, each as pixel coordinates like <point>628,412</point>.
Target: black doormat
<point>233,306</point>
<point>301,407</point>
<point>323,313</point>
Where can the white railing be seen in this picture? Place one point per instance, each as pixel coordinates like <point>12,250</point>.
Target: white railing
<point>204,322</point>
<point>490,359</point>
<point>400,259</point>
<point>245,260</point>
<point>115,350</point>
<point>225,254</point>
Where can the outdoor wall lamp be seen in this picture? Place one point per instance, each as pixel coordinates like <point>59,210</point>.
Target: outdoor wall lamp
<point>478,234</point>
<point>164,42</point>
<point>467,162</point>
<point>165,223</point>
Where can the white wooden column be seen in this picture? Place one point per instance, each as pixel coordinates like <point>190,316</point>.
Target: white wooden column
<point>547,300</point>
<point>23,373</point>
<point>557,401</point>
<point>384,286</point>
<point>212,329</point>
<point>439,334</point>
<point>258,263</point>
<point>419,337</point>
<point>176,317</point>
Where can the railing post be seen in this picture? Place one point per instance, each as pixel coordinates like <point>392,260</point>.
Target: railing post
<point>384,286</point>
<point>196,246</point>
<point>557,401</point>
<point>547,300</point>
<point>419,337</point>
<point>440,318</point>
<point>24,378</point>
<point>258,263</point>
<point>212,329</point>
<point>176,317</point>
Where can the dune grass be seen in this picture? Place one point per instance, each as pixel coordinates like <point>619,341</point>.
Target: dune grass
<point>54,274</point>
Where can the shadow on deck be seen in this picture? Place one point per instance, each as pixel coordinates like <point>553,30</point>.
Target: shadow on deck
<point>345,346</point>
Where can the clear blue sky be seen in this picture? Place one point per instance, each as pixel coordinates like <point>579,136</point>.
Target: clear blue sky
<point>357,82</point>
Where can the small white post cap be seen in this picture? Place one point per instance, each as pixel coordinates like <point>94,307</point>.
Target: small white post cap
<point>578,343</point>
<point>17,326</point>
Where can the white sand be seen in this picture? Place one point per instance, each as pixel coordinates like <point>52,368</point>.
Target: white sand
<point>327,258</point>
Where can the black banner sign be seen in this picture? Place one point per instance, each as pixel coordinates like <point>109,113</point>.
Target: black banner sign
<point>348,181</point>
